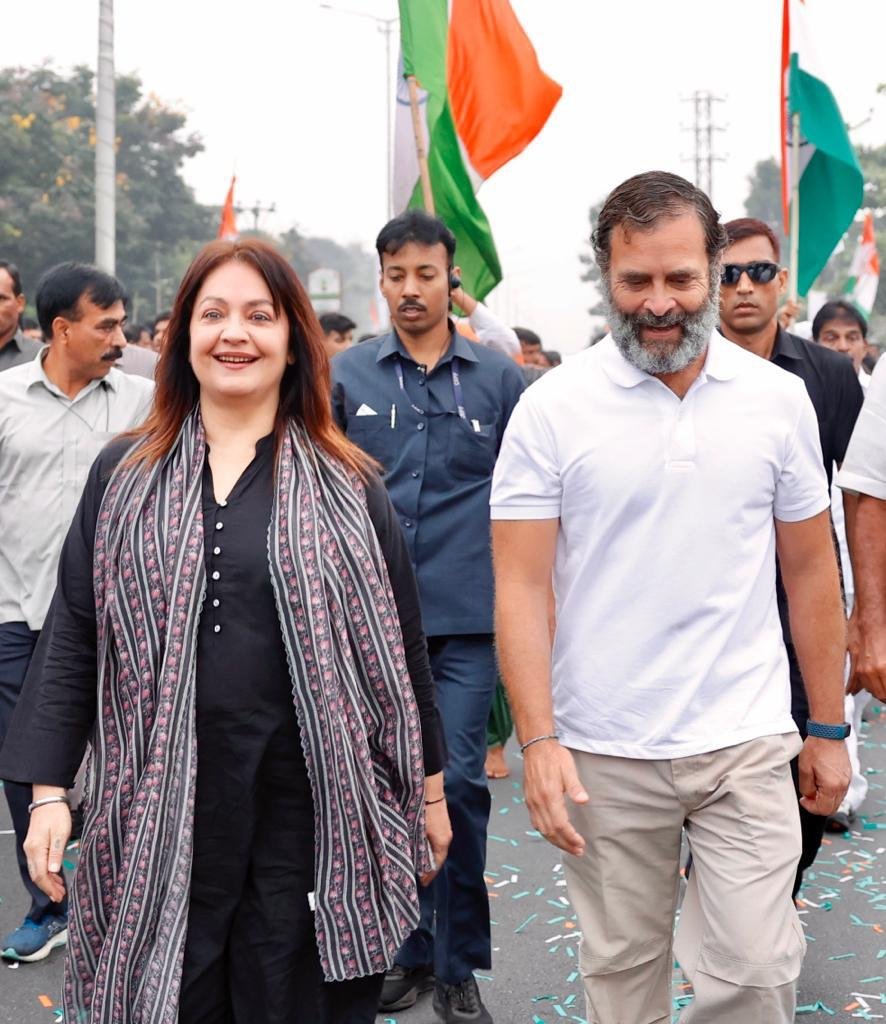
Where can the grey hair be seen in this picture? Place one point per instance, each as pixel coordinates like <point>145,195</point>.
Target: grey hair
<point>639,203</point>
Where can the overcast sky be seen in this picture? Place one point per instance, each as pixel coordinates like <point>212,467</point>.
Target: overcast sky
<point>293,96</point>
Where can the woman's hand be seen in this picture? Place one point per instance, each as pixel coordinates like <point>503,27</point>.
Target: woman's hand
<point>45,844</point>
<point>439,833</point>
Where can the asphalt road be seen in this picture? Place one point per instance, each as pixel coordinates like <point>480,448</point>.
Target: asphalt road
<point>534,977</point>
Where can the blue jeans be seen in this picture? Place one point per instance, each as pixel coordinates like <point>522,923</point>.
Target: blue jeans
<point>453,932</point>
<point>17,644</point>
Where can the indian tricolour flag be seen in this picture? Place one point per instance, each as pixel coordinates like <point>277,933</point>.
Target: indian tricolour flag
<point>864,274</point>
<point>831,181</point>
<point>482,99</point>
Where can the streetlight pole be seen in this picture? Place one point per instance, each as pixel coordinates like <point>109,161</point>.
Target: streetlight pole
<point>105,143</point>
<point>386,27</point>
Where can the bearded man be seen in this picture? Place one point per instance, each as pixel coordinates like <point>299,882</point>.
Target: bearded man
<point>654,478</point>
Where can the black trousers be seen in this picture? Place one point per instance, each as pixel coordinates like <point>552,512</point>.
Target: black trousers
<point>453,932</point>
<point>251,952</point>
<point>811,825</point>
<point>17,643</point>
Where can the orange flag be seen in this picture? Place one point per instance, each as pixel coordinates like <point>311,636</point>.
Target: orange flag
<point>227,229</point>
<point>499,96</point>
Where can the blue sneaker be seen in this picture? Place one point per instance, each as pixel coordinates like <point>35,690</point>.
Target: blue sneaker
<point>35,940</point>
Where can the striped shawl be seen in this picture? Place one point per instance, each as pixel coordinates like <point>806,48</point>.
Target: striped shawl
<point>358,721</point>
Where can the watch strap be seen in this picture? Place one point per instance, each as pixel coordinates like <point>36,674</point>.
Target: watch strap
<point>826,731</point>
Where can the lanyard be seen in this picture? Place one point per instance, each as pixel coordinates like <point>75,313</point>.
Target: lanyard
<point>457,390</point>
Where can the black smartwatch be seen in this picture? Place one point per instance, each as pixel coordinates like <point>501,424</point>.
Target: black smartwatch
<point>828,732</point>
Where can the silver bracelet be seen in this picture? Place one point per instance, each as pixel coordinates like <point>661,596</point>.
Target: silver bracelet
<point>49,800</point>
<point>538,739</point>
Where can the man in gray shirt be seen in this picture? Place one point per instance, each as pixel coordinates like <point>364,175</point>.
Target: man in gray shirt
<point>15,348</point>
<point>56,413</point>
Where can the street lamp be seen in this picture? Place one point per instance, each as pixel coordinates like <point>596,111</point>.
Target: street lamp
<point>386,27</point>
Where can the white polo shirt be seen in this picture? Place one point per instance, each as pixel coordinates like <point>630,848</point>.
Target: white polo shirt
<point>864,468</point>
<point>668,640</point>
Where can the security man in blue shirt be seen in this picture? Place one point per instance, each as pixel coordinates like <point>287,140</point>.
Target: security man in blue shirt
<point>432,408</point>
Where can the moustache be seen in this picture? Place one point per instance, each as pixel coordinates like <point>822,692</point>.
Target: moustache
<point>112,355</point>
<point>673,319</point>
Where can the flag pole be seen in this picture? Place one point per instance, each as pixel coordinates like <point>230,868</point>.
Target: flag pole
<point>795,206</point>
<point>420,147</point>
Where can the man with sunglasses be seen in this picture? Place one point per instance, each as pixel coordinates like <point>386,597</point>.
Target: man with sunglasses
<point>751,285</point>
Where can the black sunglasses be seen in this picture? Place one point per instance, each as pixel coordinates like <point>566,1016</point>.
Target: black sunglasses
<point>760,272</point>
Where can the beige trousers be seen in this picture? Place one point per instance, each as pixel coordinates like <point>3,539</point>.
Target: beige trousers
<point>739,940</point>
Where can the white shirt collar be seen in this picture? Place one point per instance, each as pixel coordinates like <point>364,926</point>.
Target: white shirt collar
<point>37,375</point>
<point>723,362</point>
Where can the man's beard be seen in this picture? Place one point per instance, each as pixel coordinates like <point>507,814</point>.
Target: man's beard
<point>657,357</point>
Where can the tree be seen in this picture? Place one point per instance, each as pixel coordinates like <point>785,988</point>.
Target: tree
<point>358,269</point>
<point>47,160</point>
<point>764,200</point>
<point>591,272</point>
<point>47,201</point>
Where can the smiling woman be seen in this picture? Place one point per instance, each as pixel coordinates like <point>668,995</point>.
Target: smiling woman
<point>264,730</point>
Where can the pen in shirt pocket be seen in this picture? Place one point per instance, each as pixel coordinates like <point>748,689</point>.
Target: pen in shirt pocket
<point>393,416</point>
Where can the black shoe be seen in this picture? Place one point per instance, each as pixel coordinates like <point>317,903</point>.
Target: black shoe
<point>839,821</point>
<point>403,985</point>
<point>462,1002</point>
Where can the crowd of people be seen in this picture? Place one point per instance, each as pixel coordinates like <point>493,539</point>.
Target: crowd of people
<point>287,596</point>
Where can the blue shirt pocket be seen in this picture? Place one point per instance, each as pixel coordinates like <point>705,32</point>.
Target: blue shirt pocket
<point>376,437</point>
<point>470,453</point>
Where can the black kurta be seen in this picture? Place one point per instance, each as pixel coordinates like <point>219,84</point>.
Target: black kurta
<point>250,953</point>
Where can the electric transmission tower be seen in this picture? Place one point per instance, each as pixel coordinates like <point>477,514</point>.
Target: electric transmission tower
<point>703,130</point>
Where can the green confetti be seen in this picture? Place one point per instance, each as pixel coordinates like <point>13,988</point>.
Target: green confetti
<point>528,920</point>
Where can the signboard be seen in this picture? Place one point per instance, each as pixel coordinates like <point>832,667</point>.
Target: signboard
<point>324,288</point>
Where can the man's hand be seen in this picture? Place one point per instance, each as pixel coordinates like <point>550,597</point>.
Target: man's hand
<point>787,315</point>
<point>867,659</point>
<point>548,773</point>
<point>44,846</point>
<point>466,303</point>
<point>824,775</point>
<point>439,833</point>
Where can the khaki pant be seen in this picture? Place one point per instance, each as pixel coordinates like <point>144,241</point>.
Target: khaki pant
<point>739,940</point>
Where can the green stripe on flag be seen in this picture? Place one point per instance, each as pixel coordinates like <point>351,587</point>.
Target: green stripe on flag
<point>831,181</point>
<point>423,32</point>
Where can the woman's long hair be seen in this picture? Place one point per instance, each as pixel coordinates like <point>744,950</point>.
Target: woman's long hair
<point>305,390</point>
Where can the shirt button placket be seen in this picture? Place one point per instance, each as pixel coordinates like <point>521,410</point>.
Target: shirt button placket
<point>216,574</point>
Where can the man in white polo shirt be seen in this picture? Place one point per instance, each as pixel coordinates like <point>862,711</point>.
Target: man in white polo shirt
<point>864,473</point>
<point>655,476</point>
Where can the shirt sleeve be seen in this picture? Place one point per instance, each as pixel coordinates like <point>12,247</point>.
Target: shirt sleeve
<point>492,332</point>
<point>338,403</point>
<point>512,387</point>
<point>405,589</point>
<point>864,468</point>
<point>801,490</point>
<point>55,713</point>
<point>526,483</point>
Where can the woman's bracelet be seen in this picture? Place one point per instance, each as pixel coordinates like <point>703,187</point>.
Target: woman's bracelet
<point>439,801</point>
<point>49,800</point>
<point>538,739</point>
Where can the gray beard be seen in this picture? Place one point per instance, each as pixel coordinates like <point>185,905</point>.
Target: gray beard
<point>664,357</point>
